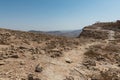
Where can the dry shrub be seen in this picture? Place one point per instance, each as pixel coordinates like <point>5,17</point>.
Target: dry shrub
<point>111,74</point>
<point>94,51</point>
<point>91,53</point>
<point>109,52</point>
<point>112,48</point>
<point>69,78</point>
<point>94,34</point>
<point>55,53</point>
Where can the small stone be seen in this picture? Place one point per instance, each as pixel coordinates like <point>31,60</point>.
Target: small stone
<point>94,79</point>
<point>37,79</point>
<point>23,79</point>
<point>38,68</point>
<point>2,63</point>
<point>34,58</point>
<point>22,63</point>
<point>5,56</point>
<point>89,63</point>
<point>21,47</point>
<point>118,65</point>
<point>69,78</point>
<point>67,60</point>
<point>14,56</point>
<point>30,77</point>
<point>1,58</point>
<point>42,51</point>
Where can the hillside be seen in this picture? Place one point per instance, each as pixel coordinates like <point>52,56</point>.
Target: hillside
<point>95,55</point>
<point>102,30</point>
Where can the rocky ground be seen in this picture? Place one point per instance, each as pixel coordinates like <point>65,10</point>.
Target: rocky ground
<point>31,56</point>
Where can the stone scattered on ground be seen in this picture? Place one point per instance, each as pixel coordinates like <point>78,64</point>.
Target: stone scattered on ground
<point>94,55</point>
<point>38,68</point>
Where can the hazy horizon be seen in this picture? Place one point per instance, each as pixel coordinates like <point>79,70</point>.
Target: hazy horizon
<point>50,15</point>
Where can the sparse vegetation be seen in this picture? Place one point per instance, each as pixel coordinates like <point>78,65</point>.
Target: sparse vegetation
<point>69,78</point>
<point>92,56</point>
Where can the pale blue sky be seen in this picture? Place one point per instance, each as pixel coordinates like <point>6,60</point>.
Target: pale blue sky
<point>56,14</point>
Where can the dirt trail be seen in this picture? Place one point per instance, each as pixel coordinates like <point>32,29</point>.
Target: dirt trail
<point>58,69</point>
<point>111,35</point>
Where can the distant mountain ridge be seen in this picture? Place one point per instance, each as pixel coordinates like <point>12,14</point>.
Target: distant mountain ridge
<point>69,33</point>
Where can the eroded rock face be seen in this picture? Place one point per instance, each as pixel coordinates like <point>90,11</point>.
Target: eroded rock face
<point>108,30</point>
<point>96,34</point>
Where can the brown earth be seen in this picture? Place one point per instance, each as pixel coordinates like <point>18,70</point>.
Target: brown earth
<point>31,56</point>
